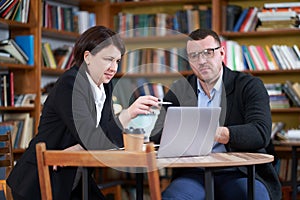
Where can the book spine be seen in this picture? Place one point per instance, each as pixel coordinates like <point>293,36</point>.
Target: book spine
<point>288,89</point>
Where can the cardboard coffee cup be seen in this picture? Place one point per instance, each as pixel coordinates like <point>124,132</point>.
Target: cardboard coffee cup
<point>133,139</point>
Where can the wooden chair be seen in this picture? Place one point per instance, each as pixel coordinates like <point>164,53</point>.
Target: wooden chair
<point>7,161</point>
<point>114,158</point>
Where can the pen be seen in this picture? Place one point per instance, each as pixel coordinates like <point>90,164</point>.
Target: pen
<point>164,103</point>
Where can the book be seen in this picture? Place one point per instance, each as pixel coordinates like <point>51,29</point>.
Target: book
<point>263,57</point>
<point>282,5</point>
<point>26,132</point>
<point>255,57</point>
<point>5,5</point>
<point>271,58</point>
<point>289,91</point>
<point>11,89</point>
<point>296,87</point>
<point>11,47</point>
<point>26,43</point>
<point>9,8</point>
<point>28,100</point>
<point>251,21</point>
<point>49,55</point>
<point>240,20</point>
<point>232,15</point>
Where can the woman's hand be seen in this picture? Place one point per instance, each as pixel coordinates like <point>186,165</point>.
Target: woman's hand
<point>141,106</point>
<point>76,147</point>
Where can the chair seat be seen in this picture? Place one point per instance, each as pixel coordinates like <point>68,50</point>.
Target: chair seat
<point>112,187</point>
<point>110,184</point>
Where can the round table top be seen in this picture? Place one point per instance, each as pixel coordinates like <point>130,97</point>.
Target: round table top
<point>230,159</point>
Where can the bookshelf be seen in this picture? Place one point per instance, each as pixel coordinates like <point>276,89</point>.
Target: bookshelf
<point>26,77</point>
<point>291,116</point>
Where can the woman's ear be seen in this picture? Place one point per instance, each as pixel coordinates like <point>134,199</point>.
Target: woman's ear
<point>86,57</point>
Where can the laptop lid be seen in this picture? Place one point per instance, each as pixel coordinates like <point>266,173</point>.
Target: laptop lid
<point>188,131</point>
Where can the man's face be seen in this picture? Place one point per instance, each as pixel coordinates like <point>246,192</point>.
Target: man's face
<point>205,58</point>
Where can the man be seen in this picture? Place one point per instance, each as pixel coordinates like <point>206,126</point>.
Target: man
<point>245,122</point>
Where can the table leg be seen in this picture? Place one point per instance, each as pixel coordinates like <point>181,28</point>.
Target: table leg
<point>139,186</point>
<point>209,184</point>
<point>251,182</point>
<point>85,194</point>
<point>294,172</point>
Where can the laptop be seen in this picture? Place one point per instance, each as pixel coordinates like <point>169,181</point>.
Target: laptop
<point>188,131</point>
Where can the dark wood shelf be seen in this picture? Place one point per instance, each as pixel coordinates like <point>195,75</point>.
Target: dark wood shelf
<point>6,24</point>
<point>287,110</point>
<point>58,34</point>
<point>16,66</point>
<point>158,3</point>
<point>277,32</point>
<point>156,75</point>
<point>19,109</point>
<point>50,71</point>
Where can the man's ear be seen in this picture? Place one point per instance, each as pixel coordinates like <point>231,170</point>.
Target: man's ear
<point>222,51</point>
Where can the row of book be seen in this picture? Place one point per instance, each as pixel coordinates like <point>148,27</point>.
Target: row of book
<point>16,10</point>
<point>7,93</point>
<point>65,17</point>
<point>19,49</point>
<point>271,16</point>
<point>59,58</point>
<point>284,95</point>
<point>186,20</point>
<point>284,170</point>
<point>256,57</point>
<point>126,90</point>
<point>154,61</point>
<point>21,127</point>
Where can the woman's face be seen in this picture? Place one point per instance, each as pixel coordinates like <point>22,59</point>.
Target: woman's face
<point>103,65</point>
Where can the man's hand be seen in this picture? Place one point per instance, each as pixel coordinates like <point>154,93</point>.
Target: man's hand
<point>222,135</point>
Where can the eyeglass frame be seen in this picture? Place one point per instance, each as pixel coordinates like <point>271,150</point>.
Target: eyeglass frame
<point>197,54</point>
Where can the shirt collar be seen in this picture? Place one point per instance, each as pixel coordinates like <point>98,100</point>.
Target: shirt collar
<point>98,92</point>
<point>217,87</point>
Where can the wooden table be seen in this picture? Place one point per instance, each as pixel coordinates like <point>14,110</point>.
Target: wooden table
<point>216,161</point>
<point>209,163</point>
<point>294,144</point>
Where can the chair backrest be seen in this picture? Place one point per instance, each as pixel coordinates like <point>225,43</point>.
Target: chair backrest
<point>114,158</point>
<point>6,160</point>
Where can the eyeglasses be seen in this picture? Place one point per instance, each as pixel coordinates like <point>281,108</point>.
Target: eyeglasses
<point>206,53</point>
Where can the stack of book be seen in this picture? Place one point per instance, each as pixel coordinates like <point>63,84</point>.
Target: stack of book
<point>60,58</point>
<point>283,15</point>
<point>16,10</point>
<point>18,50</point>
<point>66,18</point>
<point>21,127</point>
<point>256,57</point>
<point>278,98</point>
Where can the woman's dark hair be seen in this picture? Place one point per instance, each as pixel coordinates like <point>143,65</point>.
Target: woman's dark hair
<point>94,40</point>
<point>200,34</point>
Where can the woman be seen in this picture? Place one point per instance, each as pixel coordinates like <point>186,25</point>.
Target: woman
<point>78,115</point>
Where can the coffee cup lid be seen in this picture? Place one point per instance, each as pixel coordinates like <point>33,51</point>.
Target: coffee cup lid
<point>132,130</point>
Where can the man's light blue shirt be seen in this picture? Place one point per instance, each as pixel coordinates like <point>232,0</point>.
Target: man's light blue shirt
<point>214,101</point>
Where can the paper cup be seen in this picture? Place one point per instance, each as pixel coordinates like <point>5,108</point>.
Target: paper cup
<point>133,139</point>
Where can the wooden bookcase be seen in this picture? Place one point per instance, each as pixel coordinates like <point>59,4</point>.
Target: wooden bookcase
<point>28,78</point>
<point>290,116</point>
